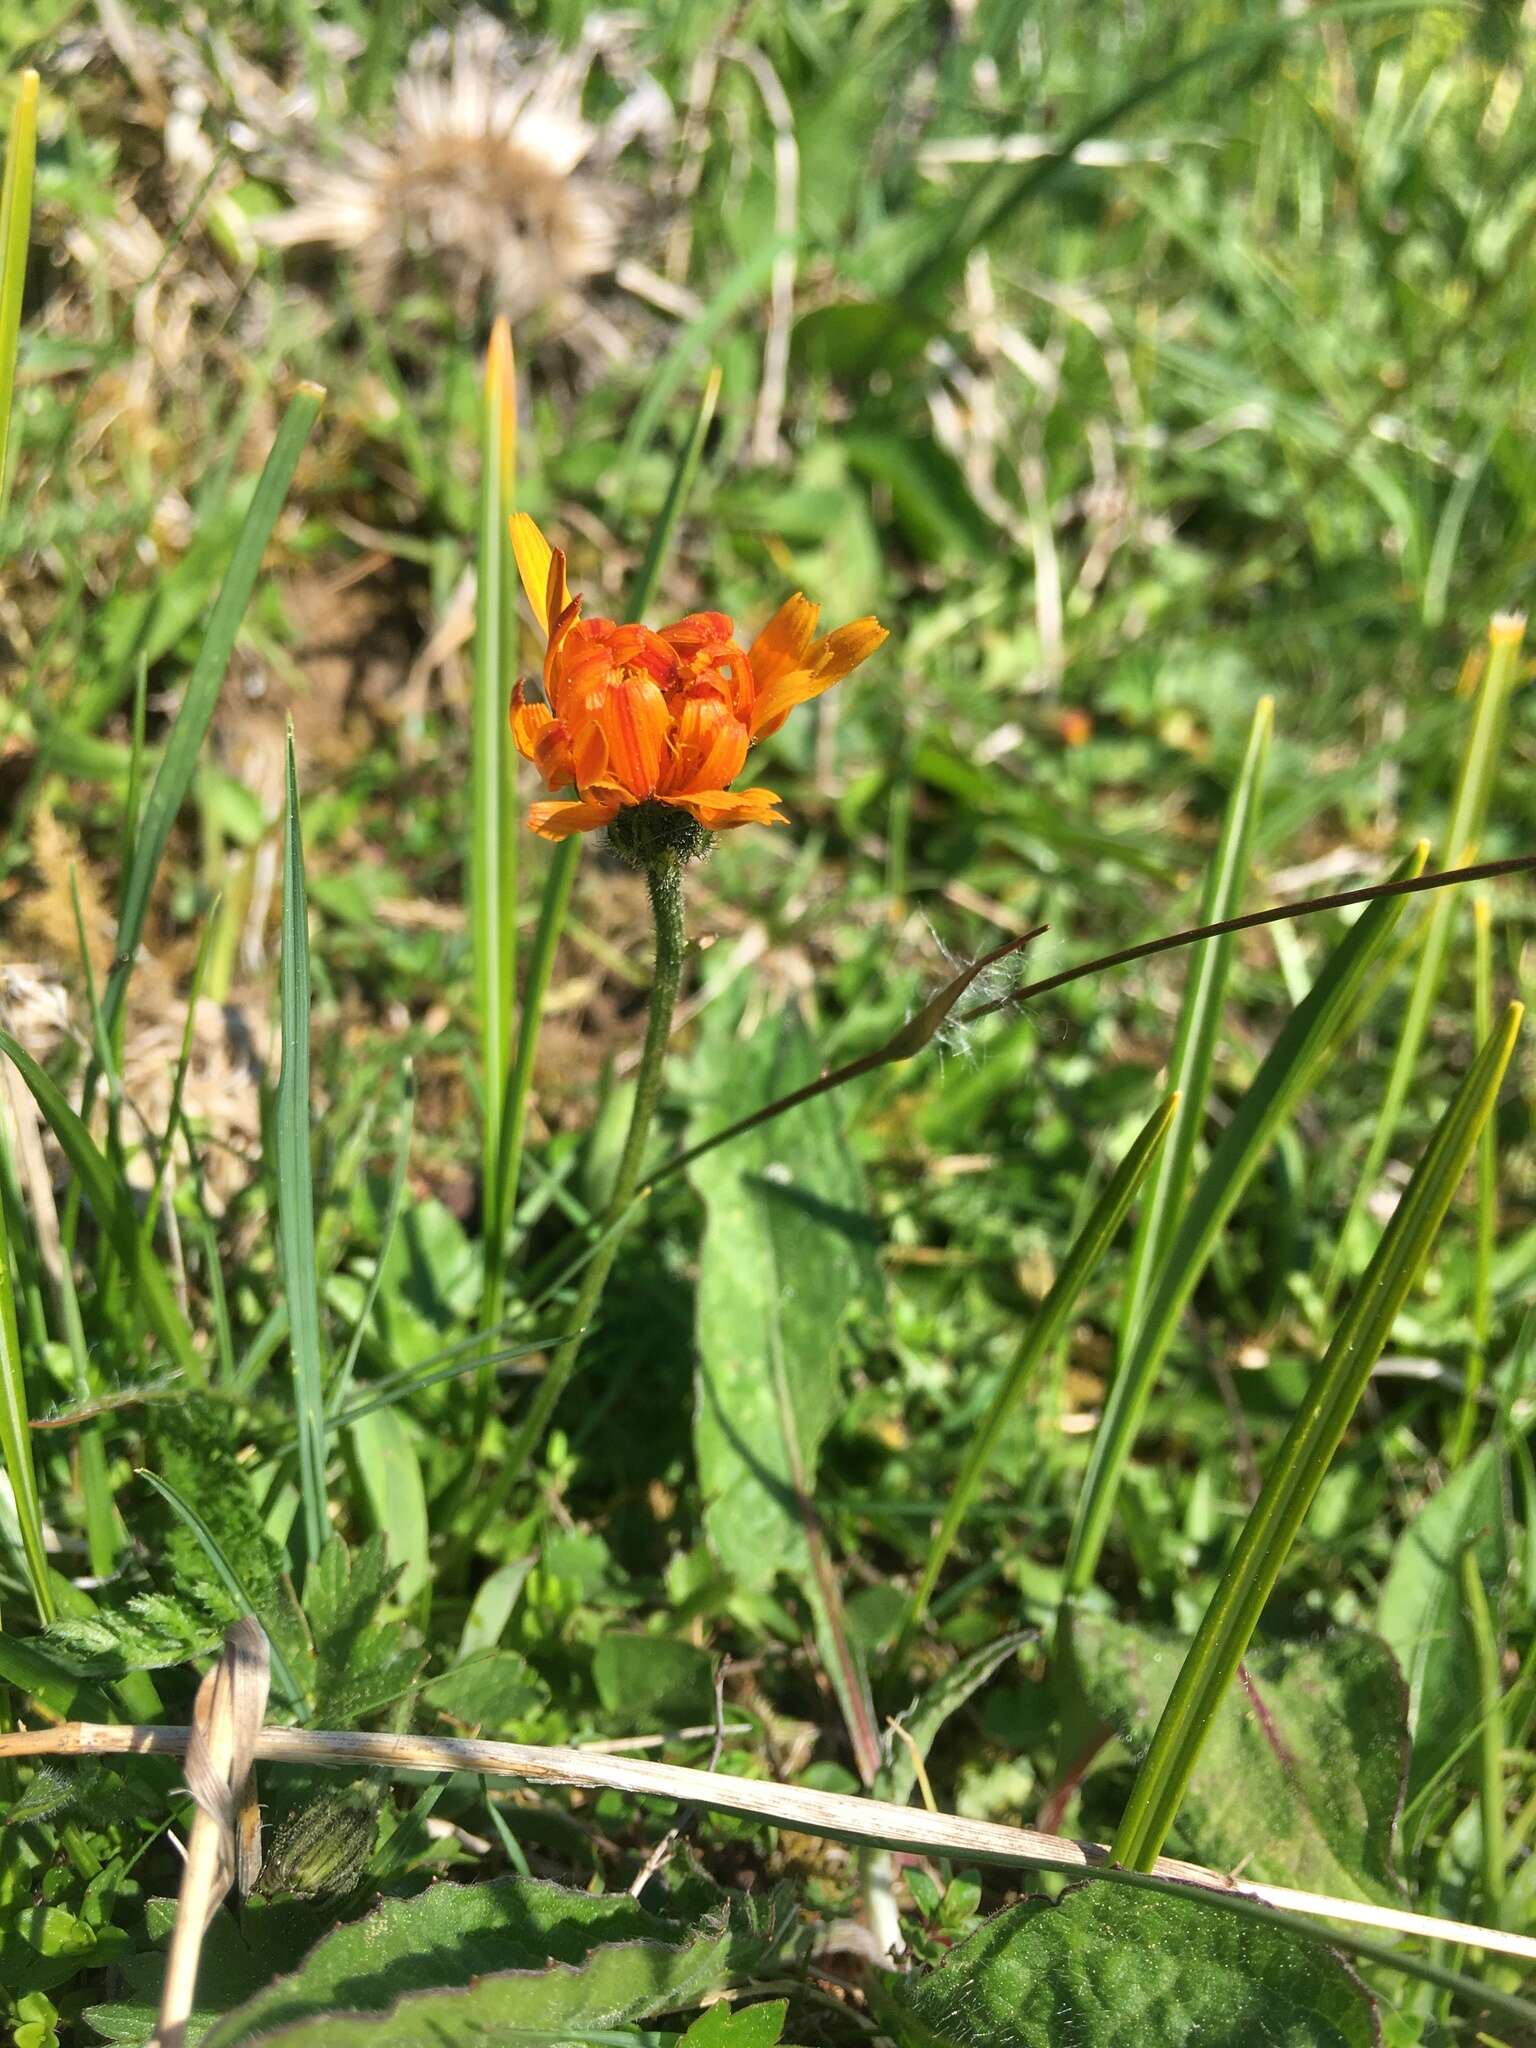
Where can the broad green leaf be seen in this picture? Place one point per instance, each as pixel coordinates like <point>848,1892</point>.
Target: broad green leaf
<point>787,1250</point>
<point>1422,1615</point>
<point>653,1681</point>
<point>1301,1775</point>
<point>43,1946</point>
<point>384,1445</point>
<point>237,1960</point>
<point>466,1963</point>
<point>1106,1966</point>
<point>497,1692</point>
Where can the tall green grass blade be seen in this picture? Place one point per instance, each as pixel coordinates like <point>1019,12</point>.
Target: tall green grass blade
<point>15,226</point>
<point>1486,1220</point>
<point>100,1523</point>
<point>133,794</point>
<point>555,902</point>
<point>492,829</point>
<point>16,1440</point>
<point>178,761</point>
<point>1285,1076</point>
<point>1313,1438</point>
<point>1194,1046</point>
<point>1090,1246</point>
<point>114,1210</point>
<point>295,1189</point>
<point>1469,810</point>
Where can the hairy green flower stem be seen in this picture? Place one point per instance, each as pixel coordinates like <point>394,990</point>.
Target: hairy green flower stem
<point>664,880</point>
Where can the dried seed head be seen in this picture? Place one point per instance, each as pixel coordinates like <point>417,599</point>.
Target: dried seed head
<point>484,187</point>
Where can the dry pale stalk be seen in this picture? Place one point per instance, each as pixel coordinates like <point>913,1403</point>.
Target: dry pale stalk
<point>225,1842</point>
<point>868,1823</point>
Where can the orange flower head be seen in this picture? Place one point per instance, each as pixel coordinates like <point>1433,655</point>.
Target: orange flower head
<point>634,717</point>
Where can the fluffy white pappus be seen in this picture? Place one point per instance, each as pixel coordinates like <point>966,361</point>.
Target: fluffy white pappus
<point>486,186</point>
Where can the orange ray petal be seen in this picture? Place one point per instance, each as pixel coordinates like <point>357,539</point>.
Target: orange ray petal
<point>721,809</point>
<point>635,722</point>
<point>826,663</point>
<point>532,553</point>
<point>545,740</point>
<point>559,821</point>
<point>709,745</point>
<point>784,642</point>
<point>528,721</point>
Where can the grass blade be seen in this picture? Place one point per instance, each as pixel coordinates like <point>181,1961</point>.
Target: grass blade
<point>1469,809</point>
<point>1305,1456</point>
<point>1194,1046</point>
<point>1284,1078</point>
<point>178,762</point>
<point>114,1210</point>
<point>295,1191</point>
<point>492,826</point>
<point>15,225</point>
<point>1092,1242</point>
<point>1486,1223</point>
<point>16,1441</point>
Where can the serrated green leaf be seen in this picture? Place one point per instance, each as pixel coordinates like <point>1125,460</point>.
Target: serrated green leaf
<point>361,1662</point>
<point>1106,1966</point>
<point>1301,1777</point>
<point>753,2026</point>
<point>517,1956</point>
<point>191,1453</point>
<point>147,1633</point>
